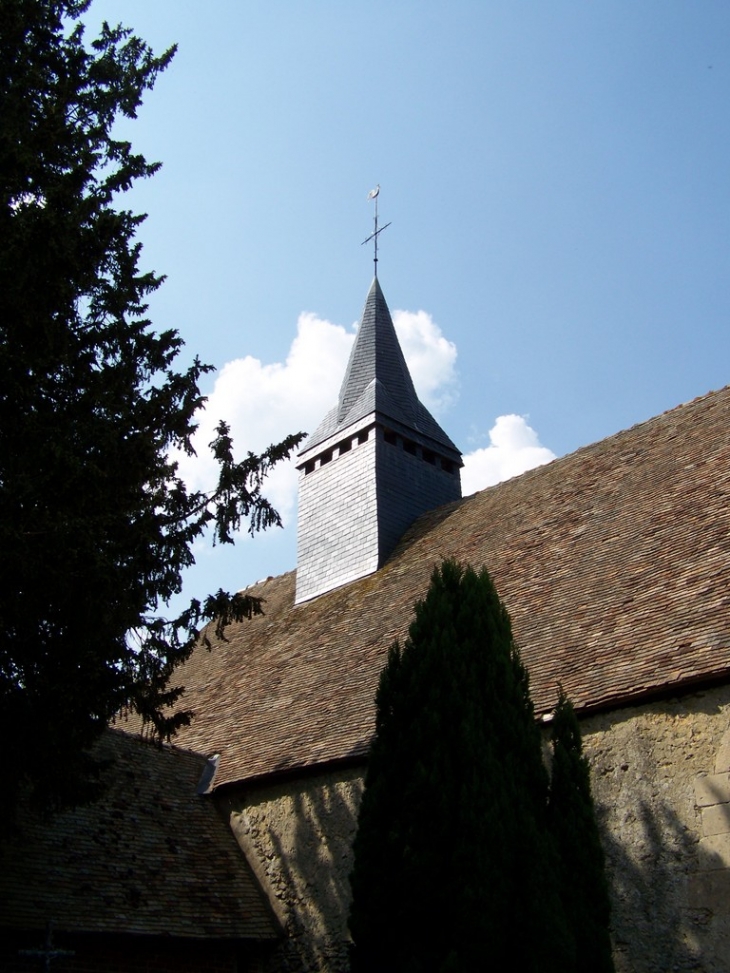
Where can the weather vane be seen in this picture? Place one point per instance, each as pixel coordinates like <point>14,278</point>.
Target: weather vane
<point>373,194</point>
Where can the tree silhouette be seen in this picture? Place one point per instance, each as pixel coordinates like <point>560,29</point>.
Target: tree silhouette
<point>455,868</point>
<point>95,524</point>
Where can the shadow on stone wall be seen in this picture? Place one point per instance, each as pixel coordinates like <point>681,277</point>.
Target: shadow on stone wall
<point>652,931</point>
<point>303,833</point>
<point>306,842</point>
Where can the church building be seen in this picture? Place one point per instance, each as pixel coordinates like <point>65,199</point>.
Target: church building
<point>232,849</point>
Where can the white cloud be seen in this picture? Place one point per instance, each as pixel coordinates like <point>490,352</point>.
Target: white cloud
<point>514,448</point>
<point>431,358</point>
<point>262,403</point>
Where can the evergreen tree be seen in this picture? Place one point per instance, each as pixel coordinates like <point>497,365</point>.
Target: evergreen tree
<point>454,868</point>
<point>95,524</point>
<point>573,825</point>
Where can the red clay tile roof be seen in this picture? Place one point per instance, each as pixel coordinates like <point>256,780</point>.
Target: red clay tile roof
<point>614,563</point>
<point>152,857</point>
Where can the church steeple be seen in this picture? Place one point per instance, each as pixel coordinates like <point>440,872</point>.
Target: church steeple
<point>376,462</point>
<point>376,363</point>
<point>377,380</point>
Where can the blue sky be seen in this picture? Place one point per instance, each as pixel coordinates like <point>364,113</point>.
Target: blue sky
<point>556,174</point>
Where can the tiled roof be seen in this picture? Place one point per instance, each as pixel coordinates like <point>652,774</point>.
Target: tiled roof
<point>614,563</point>
<point>377,380</point>
<point>151,857</point>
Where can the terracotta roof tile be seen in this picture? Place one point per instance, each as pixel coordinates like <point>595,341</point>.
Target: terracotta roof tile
<point>151,857</point>
<point>614,563</point>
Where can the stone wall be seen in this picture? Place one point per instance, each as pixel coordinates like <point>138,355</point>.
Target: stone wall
<point>660,787</point>
<point>298,836</point>
<point>661,783</point>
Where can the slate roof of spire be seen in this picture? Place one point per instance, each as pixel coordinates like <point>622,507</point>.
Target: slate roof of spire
<point>614,563</point>
<point>377,380</point>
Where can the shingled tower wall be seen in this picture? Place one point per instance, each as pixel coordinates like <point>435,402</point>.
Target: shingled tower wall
<point>376,462</point>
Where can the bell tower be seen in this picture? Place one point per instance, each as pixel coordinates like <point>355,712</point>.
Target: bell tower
<point>376,462</point>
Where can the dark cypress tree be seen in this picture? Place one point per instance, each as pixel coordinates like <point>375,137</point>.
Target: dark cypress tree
<point>584,889</point>
<point>454,869</point>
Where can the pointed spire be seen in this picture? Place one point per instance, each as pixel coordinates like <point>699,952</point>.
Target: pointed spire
<point>377,357</point>
<point>377,381</point>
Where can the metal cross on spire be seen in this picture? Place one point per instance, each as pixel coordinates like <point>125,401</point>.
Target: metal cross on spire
<point>373,194</point>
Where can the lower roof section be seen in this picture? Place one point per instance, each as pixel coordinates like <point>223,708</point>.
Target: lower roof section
<point>150,858</point>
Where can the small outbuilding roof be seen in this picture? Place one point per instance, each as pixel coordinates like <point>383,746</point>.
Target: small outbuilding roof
<point>151,857</point>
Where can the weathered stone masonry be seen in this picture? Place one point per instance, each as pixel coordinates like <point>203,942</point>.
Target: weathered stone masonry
<point>661,783</point>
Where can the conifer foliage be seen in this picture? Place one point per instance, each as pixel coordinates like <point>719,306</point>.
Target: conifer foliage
<point>455,865</point>
<point>95,524</point>
<point>580,856</point>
